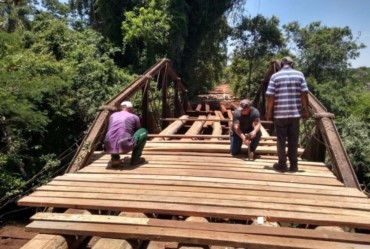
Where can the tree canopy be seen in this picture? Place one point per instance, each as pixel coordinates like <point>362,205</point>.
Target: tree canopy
<point>323,52</point>
<point>257,40</point>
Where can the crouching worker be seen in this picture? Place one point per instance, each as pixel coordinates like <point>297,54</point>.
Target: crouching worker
<point>245,128</point>
<point>124,135</point>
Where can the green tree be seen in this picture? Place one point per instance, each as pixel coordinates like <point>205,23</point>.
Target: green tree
<point>146,32</point>
<point>56,8</point>
<point>356,137</point>
<point>204,51</point>
<point>360,107</point>
<point>13,14</point>
<point>52,81</point>
<point>256,41</point>
<point>190,33</point>
<point>323,52</point>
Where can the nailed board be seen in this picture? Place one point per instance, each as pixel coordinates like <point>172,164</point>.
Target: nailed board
<point>231,188</point>
<point>195,232</point>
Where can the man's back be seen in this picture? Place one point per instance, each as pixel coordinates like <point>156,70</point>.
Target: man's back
<point>122,126</point>
<point>287,86</point>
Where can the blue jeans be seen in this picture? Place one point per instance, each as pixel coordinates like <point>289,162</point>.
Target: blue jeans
<point>236,143</point>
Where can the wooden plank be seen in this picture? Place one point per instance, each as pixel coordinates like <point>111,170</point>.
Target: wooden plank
<point>105,243</point>
<point>222,196</point>
<point>219,114</point>
<point>219,203</point>
<point>184,235</point>
<point>195,128</point>
<point>207,107</point>
<point>223,108</point>
<point>240,213</point>
<point>209,157</point>
<point>231,165</point>
<point>109,243</point>
<point>241,169</point>
<point>217,131</point>
<point>317,197</point>
<point>173,127</point>
<point>262,167</point>
<point>264,132</point>
<point>199,136</point>
<point>203,225</point>
<point>292,178</point>
<point>46,241</point>
<point>192,246</point>
<point>105,168</point>
<point>208,121</point>
<point>214,148</point>
<point>213,139</point>
<point>218,183</point>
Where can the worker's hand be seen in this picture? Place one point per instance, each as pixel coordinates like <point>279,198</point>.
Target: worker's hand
<point>253,134</point>
<point>246,141</point>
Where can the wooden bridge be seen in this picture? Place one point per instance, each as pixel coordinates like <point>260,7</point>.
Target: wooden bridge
<point>191,192</point>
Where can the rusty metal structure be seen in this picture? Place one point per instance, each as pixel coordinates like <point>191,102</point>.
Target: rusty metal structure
<point>191,192</point>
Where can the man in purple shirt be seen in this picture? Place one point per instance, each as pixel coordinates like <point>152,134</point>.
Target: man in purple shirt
<point>124,135</point>
<point>287,94</point>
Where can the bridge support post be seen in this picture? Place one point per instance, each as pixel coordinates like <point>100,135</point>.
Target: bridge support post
<point>315,149</point>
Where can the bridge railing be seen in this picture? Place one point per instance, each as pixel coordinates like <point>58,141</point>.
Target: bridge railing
<point>161,74</point>
<point>325,137</point>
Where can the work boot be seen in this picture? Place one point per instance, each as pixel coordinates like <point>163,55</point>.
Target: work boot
<point>116,163</point>
<point>282,167</point>
<point>141,160</point>
<point>293,168</point>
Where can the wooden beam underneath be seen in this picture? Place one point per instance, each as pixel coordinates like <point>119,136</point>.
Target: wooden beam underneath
<point>196,232</point>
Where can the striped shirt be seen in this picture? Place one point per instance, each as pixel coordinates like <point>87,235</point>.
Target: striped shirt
<point>287,86</point>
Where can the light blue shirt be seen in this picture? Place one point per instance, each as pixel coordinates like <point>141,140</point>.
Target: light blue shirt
<point>287,86</point>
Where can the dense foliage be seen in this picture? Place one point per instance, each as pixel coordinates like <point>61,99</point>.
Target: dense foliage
<point>52,80</point>
<point>190,33</point>
<point>256,40</point>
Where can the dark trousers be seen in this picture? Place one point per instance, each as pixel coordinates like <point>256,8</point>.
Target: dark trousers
<point>236,143</point>
<point>140,137</point>
<point>287,129</point>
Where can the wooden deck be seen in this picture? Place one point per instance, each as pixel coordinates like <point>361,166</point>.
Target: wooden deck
<point>192,193</point>
<point>230,192</point>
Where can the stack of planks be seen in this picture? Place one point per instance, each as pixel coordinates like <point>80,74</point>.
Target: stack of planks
<point>191,191</point>
<point>218,187</point>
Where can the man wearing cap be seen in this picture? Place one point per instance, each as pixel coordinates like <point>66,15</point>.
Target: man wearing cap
<point>287,94</point>
<point>124,135</point>
<point>245,128</point>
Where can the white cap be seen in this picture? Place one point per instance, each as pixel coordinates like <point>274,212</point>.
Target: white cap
<point>128,104</point>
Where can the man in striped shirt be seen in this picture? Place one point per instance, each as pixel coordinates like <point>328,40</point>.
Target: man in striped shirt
<point>287,93</point>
